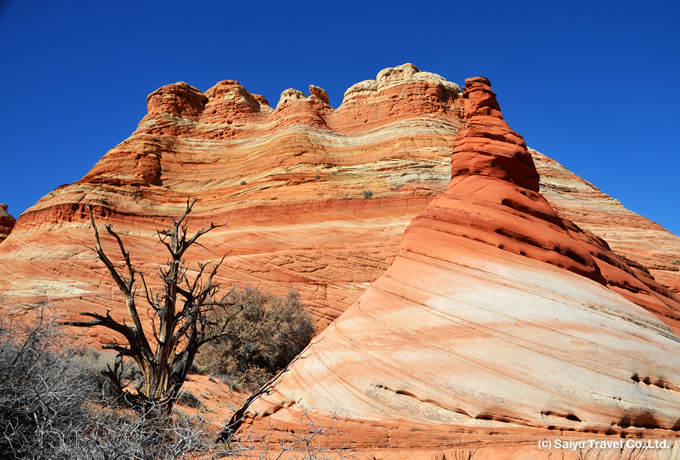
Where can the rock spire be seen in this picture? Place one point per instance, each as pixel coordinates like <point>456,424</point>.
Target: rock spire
<point>496,316</point>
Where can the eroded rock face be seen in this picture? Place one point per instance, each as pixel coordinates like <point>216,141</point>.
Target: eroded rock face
<point>314,197</point>
<point>179,99</point>
<point>498,321</point>
<point>6,222</point>
<point>492,170</point>
<point>645,244</point>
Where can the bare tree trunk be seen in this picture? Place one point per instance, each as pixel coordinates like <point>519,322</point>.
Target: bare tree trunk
<point>183,318</point>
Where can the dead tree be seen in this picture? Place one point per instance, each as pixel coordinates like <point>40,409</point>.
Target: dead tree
<point>183,317</point>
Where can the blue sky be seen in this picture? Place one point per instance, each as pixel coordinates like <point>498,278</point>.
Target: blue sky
<point>594,85</point>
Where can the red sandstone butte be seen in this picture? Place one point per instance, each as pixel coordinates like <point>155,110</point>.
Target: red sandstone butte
<point>490,277</point>
<point>499,323</point>
<point>6,222</point>
<point>291,181</point>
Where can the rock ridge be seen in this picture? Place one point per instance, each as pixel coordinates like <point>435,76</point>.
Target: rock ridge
<point>473,329</point>
<point>492,169</point>
<point>316,198</point>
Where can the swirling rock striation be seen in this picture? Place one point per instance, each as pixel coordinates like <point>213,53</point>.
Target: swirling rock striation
<point>315,197</point>
<point>498,323</point>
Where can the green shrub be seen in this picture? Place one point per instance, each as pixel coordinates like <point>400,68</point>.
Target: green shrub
<point>367,194</point>
<point>261,340</point>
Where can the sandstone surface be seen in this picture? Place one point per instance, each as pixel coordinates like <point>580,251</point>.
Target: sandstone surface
<point>499,323</point>
<point>315,198</point>
<point>630,235</point>
<point>6,222</point>
<point>319,198</point>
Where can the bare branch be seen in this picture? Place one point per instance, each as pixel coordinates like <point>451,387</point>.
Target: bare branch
<point>223,333</point>
<point>122,285</point>
<point>126,256</point>
<point>123,351</point>
<point>134,334</point>
<point>100,320</point>
<point>177,312</point>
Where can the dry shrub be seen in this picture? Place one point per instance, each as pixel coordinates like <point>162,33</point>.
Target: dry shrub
<point>54,404</point>
<point>44,387</point>
<point>264,338</point>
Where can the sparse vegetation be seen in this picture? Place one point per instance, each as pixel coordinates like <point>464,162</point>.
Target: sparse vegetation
<point>367,194</point>
<point>53,404</point>
<point>317,176</point>
<point>185,315</point>
<point>304,442</point>
<point>41,389</point>
<point>264,338</point>
<point>243,182</point>
<point>53,401</point>
<point>676,262</point>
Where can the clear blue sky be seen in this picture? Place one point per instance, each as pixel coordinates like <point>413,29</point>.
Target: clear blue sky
<point>593,84</point>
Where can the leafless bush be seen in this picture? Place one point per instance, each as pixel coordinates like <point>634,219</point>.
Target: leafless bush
<point>43,390</point>
<point>263,339</point>
<point>127,434</point>
<point>52,402</point>
<point>308,441</point>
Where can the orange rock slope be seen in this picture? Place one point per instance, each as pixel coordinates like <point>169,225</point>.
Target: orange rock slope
<point>6,222</point>
<point>638,239</point>
<point>498,324</point>
<point>315,198</point>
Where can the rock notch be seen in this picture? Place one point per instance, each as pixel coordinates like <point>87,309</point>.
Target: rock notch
<point>6,222</point>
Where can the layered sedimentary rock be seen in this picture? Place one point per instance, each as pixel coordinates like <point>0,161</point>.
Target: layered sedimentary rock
<point>313,197</point>
<point>498,323</point>
<point>641,241</point>
<point>6,222</point>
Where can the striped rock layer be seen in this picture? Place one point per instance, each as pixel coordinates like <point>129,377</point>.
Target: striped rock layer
<point>319,199</point>
<point>313,197</point>
<point>499,323</point>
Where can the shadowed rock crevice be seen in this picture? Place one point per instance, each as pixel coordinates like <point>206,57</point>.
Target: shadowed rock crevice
<point>6,222</point>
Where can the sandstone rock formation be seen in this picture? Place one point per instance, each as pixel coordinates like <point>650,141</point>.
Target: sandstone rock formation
<point>6,222</point>
<point>293,182</point>
<point>641,241</point>
<point>497,324</point>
